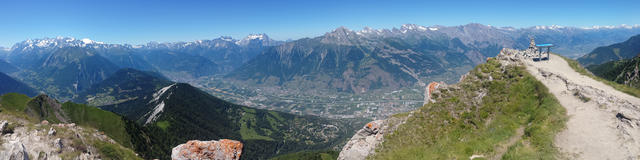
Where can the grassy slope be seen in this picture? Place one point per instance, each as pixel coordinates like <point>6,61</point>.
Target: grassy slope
<point>621,87</point>
<point>108,122</point>
<point>457,126</point>
<point>14,102</point>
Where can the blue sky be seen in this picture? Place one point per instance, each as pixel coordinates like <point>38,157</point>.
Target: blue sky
<point>141,21</point>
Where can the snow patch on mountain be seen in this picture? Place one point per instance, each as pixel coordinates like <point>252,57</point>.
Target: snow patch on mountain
<point>412,27</point>
<point>87,40</point>
<point>261,38</point>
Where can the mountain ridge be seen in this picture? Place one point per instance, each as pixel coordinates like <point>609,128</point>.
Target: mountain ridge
<point>630,48</point>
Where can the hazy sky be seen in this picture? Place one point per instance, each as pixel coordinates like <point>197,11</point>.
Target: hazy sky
<point>141,21</point>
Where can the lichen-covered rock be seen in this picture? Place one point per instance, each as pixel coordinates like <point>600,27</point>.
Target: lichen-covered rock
<point>224,149</point>
<point>364,142</point>
<point>430,89</point>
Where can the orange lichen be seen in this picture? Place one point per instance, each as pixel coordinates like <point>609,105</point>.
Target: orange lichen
<point>432,87</point>
<point>372,125</point>
<point>229,149</point>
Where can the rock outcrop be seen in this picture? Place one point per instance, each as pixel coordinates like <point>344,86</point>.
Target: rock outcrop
<point>224,149</point>
<point>3,124</point>
<point>48,142</point>
<point>365,141</point>
<point>432,87</point>
<point>15,151</point>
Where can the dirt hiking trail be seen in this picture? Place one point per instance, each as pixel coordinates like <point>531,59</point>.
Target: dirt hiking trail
<point>603,122</point>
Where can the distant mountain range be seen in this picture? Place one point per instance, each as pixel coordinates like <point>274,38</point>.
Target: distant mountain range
<point>64,67</point>
<point>342,60</point>
<point>361,61</point>
<point>352,62</point>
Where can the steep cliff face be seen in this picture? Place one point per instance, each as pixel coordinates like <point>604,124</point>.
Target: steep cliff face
<point>224,149</point>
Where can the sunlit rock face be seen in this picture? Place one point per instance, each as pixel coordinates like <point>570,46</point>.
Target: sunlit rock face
<point>223,149</point>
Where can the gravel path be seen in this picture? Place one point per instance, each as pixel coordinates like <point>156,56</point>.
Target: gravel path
<point>603,122</point>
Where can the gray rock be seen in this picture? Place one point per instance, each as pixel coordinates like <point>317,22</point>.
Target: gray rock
<point>52,132</point>
<point>58,143</point>
<point>16,151</point>
<point>364,142</point>
<point>3,124</point>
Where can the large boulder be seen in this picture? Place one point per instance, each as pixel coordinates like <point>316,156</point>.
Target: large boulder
<point>224,149</point>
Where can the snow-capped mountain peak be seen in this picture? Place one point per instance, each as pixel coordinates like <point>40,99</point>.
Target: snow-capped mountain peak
<point>368,31</point>
<point>413,27</point>
<point>58,42</point>
<point>261,38</point>
<point>89,41</point>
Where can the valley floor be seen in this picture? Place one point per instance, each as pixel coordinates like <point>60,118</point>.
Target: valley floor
<point>603,122</point>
